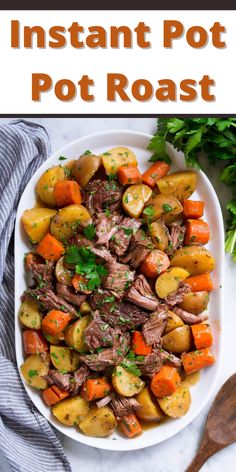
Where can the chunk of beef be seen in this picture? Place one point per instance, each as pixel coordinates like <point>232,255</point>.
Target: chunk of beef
<point>99,334</point>
<point>151,364</point>
<point>48,300</point>
<point>79,377</point>
<point>106,227</point>
<point>101,193</point>
<point>121,240</point>
<point>69,382</point>
<point>141,294</point>
<point>69,295</point>
<point>123,406</point>
<point>42,272</point>
<point>176,237</point>
<point>189,318</point>
<point>80,241</point>
<point>118,278</point>
<point>153,328</point>
<point>123,316</point>
<point>139,249</point>
<point>103,254</point>
<point>105,400</point>
<point>169,358</point>
<point>177,297</point>
<point>113,356</point>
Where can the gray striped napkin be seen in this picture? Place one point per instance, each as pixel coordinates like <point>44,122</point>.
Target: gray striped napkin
<point>27,441</point>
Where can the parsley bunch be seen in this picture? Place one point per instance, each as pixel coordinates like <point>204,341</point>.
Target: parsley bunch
<point>86,265</point>
<point>217,138</point>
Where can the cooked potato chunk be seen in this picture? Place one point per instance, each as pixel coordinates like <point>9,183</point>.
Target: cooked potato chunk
<point>99,422</point>
<point>195,302</point>
<point>162,206</point>
<point>85,308</point>
<point>67,220</point>
<point>34,369</point>
<point>173,322</point>
<point>169,281</point>
<point>177,404</point>
<point>150,410</point>
<point>85,167</point>
<point>159,235</point>
<point>135,198</point>
<point>179,184</point>
<point>195,259</point>
<point>74,334</point>
<point>63,275</point>
<point>71,410</point>
<point>117,157</point>
<point>36,222</point>
<point>126,383</point>
<point>29,314</point>
<point>63,358</point>
<point>178,340</point>
<point>47,182</point>
<point>53,339</point>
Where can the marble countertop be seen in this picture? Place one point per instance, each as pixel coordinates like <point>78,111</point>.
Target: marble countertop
<point>175,454</point>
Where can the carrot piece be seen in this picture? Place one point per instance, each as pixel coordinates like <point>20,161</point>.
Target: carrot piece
<point>128,175</point>
<point>50,248</point>
<point>53,395</point>
<point>95,388</point>
<point>33,342</point>
<point>130,425</point>
<point>200,283</point>
<point>202,335</point>
<point>67,192</point>
<point>165,382</point>
<point>155,172</point>
<point>79,282</point>
<point>55,321</point>
<point>140,347</point>
<point>196,360</point>
<point>197,232</point>
<point>155,263</point>
<point>193,208</point>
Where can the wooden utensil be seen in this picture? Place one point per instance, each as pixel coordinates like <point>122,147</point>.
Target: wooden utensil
<point>220,429</point>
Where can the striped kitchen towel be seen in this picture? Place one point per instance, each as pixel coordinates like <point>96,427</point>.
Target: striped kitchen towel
<point>27,441</point>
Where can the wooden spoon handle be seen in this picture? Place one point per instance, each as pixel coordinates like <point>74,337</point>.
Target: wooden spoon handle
<point>207,449</point>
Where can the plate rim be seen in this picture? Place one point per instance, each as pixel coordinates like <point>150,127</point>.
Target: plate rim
<point>106,443</point>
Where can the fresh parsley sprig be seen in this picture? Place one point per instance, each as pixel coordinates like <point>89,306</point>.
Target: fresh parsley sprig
<point>85,264</point>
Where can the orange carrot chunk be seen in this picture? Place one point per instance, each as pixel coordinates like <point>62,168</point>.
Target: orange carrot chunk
<point>67,192</point>
<point>50,248</point>
<point>130,425</point>
<point>95,388</point>
<point>140,347</point>
<point>55,321</point>
<point>196,360</point>
<point>33,342</point>
<point>165,382</point>
<point>128,175</point>
<point>193,208</point>
<point>79,282</point>
<point>53,395</point>
<point>202,335</point>
<point>155,172</point>
<point>155,263</point>
<point>197,232</point>
<point>200,283</point>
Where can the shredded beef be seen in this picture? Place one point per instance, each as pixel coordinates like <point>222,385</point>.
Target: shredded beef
<point>169,358</point>
<point>41,271</point>
<point>99,334</point>
<point>48,300</point>
<point>139,249</point>
<point>177,297</point>
<point>141,294</point>
<point>80,241</point>
<point>61,380</point>
<point>69,382</point>
<point>118,278</point>
<point>106,227</point>
<point>151,364</point>
<point>153,328</point>
<point>69,295</point>
<point>102,253</point>
<point>101,193</point>
<point>176,238</point>
<point>121,240</point>
<point>123,406</point>
<point>112,356</point>
<point>187,317</point>
<point>104,401</point>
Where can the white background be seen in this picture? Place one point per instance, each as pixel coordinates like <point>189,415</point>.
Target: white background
<point>175,454</point>
<point>17,65</point>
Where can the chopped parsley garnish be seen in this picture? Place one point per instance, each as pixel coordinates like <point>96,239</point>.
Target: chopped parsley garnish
<point>107,212</point>
<point>87,153</point>
<point>131,368</point>
<point>62,158</point>
<point>86,265</point>
<point>89,231</point>
<point>166,207</point>
<point>32,373</point>
<point>149,210</point>
<point>127,231</point>
<point>67,171</point>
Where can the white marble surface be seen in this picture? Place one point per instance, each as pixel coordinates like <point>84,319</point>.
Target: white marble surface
<point>175,454</point>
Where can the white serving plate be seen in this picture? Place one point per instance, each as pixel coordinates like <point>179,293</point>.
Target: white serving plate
<point>203,390</point>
